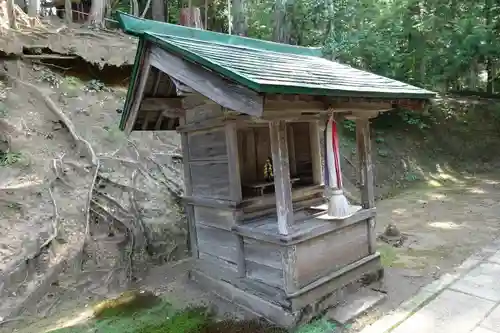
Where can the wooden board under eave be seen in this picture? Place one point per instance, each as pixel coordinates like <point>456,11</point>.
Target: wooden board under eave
<point>206,145</point>
<point>217,242</point>
<point>210,179</point>
<point>215,217</point>
<point>327,253</point>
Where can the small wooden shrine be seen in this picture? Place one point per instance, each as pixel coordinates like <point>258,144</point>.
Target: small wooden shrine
<point>251,115</point>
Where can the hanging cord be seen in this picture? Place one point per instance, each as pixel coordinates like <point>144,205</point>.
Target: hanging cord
<point>325,156</point>
<point>336,153</point>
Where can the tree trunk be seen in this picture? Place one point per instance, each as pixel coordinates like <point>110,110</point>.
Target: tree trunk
<point>158,10</point>
<point>96,15</point>
<point>191,17</point>
<point>68,12</point>
<point>239,13</point>
<point>33,8</point>
<point>281,32</point>
<point>489,57</point>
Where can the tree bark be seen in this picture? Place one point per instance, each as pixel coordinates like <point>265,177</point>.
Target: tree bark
<point>191,17</point>
<point>281,32</point>
<point>158,10</point>
<point>240,22</point>
<point>96,15</point>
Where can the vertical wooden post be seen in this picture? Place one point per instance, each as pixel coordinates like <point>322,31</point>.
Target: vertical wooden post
<point>317,166</point>
<point>366,174</point>
<point>281,168</point>
<point>144,72</point>
<point>188,190</point>
<point>235,188</point>
<point>291,150</point>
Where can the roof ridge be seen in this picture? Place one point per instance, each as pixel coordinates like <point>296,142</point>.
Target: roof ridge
<point>238,46</point>
<point>137,26</point>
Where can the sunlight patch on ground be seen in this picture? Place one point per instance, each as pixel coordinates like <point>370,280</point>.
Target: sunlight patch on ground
<point>72,320</point>
<point>434,183</point>
<point>400,211</point>
<point>476,190</point>
<point>436,196</point>
<point>445,225</point>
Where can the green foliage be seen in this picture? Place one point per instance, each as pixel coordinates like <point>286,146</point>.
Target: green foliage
<point>3,110</point>
<point>9,158</point>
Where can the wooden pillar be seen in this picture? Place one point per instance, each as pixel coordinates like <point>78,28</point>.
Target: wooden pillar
<point>188,191</point>
<point>281,171</point>
<point>317,166</point>
<point>235,189</point>
<point>366,178</point>
<point>291,150</point>
<point>144,71</point>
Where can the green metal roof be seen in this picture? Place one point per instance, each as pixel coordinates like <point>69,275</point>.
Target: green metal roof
<point>137,26</point>
<point>265,67</point>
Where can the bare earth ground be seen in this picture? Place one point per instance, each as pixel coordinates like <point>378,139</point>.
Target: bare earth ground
<point>443,224</point>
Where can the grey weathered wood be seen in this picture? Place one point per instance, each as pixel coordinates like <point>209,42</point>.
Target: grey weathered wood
<point>210,202</point>
<point>289,262</point>
<point>205,125</point>
<point>193,238</point>
<point>317,166</point>
<point>300,231</point>
<point>322,255</point>
<point>216,268</point>
<point>247,154</point>
<point>366,178</point>
<point>240,256</point>
<point>161,103</point>
<point>234,162</point>
<point>203,111</point>
<point>218,262</point>
<point>252,303</point>
<point>298,194</point>
<point>283,191</point>
<point>263,253</point>
<point>140,85</point>
<point>210,179</point>
<point>205,145</point>
<point>213,217</point>
<point>147,119</point>
<point>207,83</point>
<point>217,242</point>
<point>334,281</point>
<point>291,149</point>
<point>265,274</point>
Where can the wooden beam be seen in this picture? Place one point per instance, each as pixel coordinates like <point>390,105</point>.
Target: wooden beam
<point>353,106</point>
<point>205,82</point>
<point>317,165</point>
<point>188,190</point>
<point>234,162</point>
<point>161,103</point>
<point>138,94</point>
<point>281,168</point>
<point>291,150</point>
<point>366,175</point>
<point>272,106</point>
